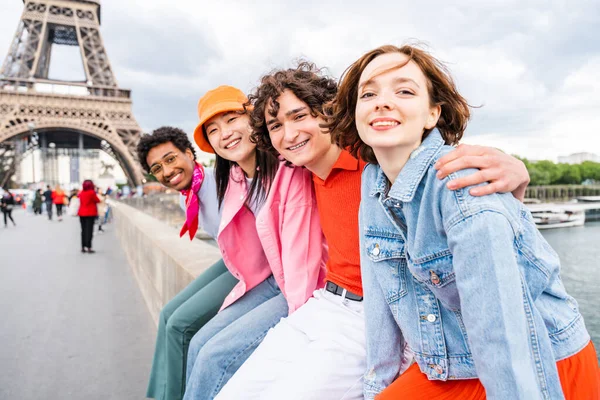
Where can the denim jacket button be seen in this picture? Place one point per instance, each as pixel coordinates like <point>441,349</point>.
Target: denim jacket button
<point>435,279</point>
<point>439,369</point>
<point>376,250</point>
<point>431,318</point>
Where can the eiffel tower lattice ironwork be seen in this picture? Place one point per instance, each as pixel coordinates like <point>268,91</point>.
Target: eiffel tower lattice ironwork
<point>96,109</point>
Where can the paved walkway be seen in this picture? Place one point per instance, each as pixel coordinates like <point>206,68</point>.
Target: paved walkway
<point>73,325</point>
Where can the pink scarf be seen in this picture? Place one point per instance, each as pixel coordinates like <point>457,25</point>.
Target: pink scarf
<point>192,204</point>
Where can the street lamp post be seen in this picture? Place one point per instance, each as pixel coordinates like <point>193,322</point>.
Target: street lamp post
<point>53,169</point>
<point>33,136</point>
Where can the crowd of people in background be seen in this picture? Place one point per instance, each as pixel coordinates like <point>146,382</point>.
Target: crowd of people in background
<point>88,203</point>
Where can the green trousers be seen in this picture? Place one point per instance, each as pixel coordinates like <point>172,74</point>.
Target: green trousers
<point>179,320</point>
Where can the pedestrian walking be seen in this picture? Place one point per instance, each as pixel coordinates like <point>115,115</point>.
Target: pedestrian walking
<point>73,207</point>
<point>58,199</point>
<point>88,211</point>
<point>101,209</point>
<point>48,201</point>
<point>7,204</point>
<point>37,202</point>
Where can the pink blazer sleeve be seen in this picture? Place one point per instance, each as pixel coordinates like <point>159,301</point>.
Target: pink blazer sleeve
<point>303,248</point>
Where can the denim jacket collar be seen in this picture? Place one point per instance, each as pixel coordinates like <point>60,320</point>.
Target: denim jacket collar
<point>410,176</point>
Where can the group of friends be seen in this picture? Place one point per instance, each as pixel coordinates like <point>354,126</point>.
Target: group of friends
<point>364,255</point>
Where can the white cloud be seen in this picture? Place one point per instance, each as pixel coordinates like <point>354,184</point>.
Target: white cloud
<point>566,124</point>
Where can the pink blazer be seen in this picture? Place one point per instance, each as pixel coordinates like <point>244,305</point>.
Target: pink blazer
<point>284,239</point>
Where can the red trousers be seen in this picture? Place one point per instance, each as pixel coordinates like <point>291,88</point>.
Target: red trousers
<point>579,377</point>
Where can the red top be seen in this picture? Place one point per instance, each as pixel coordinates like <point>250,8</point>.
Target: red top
<point>338,199</point>
<point>58,197</point>
<point>87,204</point>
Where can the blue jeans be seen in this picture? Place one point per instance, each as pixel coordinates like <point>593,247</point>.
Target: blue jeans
<point>180,319</point>
<point>223,344</point>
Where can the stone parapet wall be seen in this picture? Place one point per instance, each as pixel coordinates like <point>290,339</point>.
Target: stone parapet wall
<point>162,262</point>
<point>164,207</point>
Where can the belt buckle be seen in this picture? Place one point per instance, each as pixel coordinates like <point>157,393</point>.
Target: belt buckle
<point>343,294</point>
<point>341,291</point>
<point>331,287</point>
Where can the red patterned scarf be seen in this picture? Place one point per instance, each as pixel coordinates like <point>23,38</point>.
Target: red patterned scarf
<point>192,203</point>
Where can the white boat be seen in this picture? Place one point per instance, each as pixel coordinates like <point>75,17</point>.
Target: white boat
<point>552,218</point>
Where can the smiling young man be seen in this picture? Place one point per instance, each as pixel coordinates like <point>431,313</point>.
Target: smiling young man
<point>168,154</point>
<point>319,351</point>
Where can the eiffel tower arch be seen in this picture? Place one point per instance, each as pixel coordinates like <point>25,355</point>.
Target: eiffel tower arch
<point>73,116</point>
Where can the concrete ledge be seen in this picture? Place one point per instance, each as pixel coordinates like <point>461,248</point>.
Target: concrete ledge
<point>162,262</point>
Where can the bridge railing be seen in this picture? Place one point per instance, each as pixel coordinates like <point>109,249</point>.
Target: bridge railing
<point>554,193</point>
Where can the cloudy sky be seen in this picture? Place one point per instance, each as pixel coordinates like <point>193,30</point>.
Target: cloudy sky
<point>533,65</point>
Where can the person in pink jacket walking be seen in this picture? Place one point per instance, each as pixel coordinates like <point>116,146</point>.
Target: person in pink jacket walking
<point>268,232</point>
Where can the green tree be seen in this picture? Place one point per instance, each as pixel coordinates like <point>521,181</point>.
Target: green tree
<point>570,174</point>
<point>590,170</point>
<point>538,176</point>
<point>548,173</point>
<point>552,169</point>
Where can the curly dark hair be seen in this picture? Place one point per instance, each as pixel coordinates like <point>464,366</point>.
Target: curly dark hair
<point>162,135</point>
<point>308,83</point>
<point>455,111</point>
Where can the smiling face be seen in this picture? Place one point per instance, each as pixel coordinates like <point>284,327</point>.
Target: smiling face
<point>177,167</point>
<point>229,135</point>
<point>295,133</point>
<point>393,107</point>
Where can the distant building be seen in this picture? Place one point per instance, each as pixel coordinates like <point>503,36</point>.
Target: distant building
<point>578,158</point>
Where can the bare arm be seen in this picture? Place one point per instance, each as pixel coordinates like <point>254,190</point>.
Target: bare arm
<point>505,173</point>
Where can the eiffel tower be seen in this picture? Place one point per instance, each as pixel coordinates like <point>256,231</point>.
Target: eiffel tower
<point>63,117</point>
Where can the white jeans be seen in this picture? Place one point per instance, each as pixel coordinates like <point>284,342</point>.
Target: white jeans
<point>318,352</point>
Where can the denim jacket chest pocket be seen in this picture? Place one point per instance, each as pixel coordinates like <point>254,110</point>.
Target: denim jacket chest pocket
<point>385,251</point>
<point>436,272</point>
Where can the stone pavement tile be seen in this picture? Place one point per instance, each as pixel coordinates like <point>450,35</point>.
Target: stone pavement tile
<point>74,326</point>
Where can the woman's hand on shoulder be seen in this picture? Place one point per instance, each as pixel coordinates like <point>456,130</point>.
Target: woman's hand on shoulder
<point>504,173</point>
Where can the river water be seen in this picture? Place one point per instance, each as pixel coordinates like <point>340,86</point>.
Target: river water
<point>579,251</point>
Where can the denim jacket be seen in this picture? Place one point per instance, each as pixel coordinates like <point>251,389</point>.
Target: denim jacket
<point>467,282</point>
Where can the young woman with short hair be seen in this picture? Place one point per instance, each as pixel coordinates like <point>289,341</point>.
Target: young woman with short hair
<point>468,283</point>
